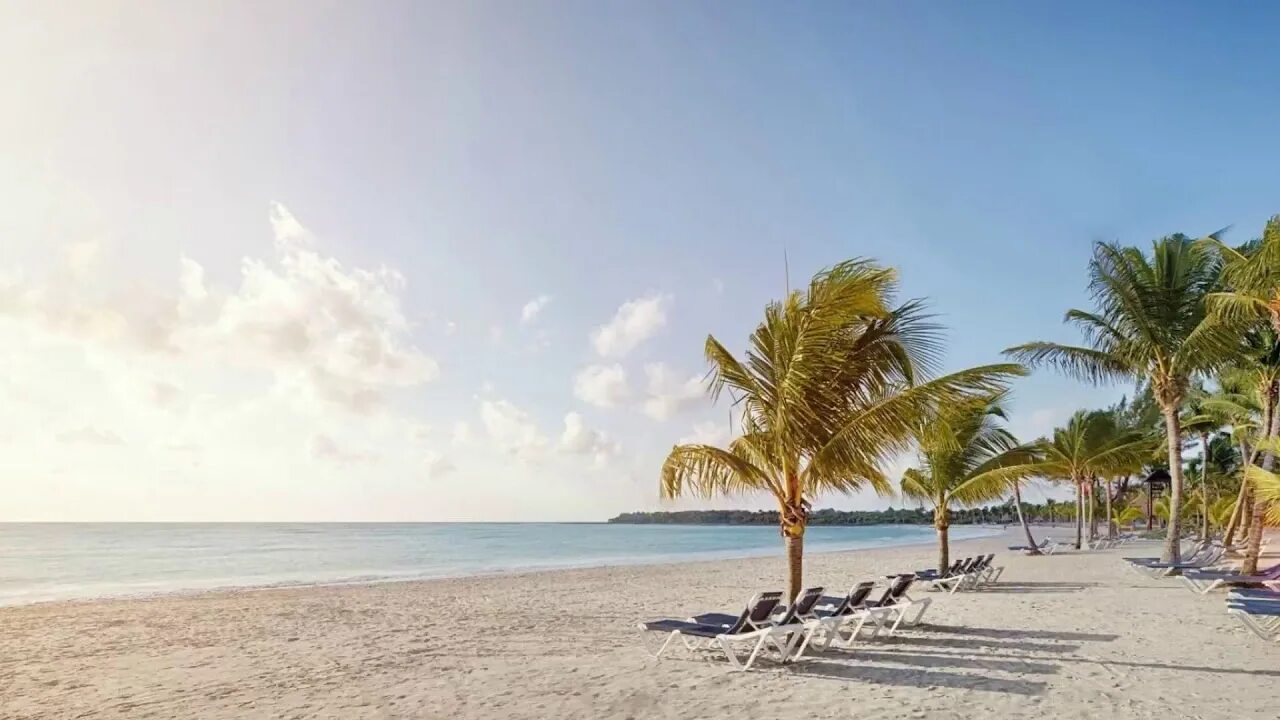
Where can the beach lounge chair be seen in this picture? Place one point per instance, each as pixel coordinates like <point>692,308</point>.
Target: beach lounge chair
<point>1046,547</point>
<point>1204,581</point>
<point>932,573</point>
<point>954,580</point>
<point>1206,562</point>
<point>1193,561</point>
<point>1261,618</point>
<point>895,598</point>
<point>988,573</point>
<point>752,626</point>
<point>1254,595</point>
<point>827,621</point>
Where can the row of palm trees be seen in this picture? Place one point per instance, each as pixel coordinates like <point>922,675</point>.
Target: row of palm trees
<point>840,378</point>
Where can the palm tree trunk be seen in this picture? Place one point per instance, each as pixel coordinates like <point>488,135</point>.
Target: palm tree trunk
<point>1079,514</point>
<point>1093,510</point>
<point>1111,525</point>
<point>942,523</point>
<point>1017,504</point>
<point>795,563</point>
<point>1229,535</point>
<point>1173,431</point>
<point>1250,566</point>
<point>1204,485</point>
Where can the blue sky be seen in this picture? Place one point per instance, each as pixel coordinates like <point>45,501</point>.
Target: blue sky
<point>471,158</point>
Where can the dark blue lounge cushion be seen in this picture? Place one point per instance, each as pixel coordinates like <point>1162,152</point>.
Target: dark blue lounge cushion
<point>685,628</point>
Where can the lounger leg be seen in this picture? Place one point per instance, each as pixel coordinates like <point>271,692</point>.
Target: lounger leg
<point>670,637</point>
<point>899,615</point>
<point>924,605</point>
<point>806,638</point>
<point>729,652</point>
<point>755,651</point>
<point>1252,624</point>
<point>862,621</point>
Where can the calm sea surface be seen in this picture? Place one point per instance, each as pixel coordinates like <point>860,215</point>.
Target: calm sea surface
<point>60,561</point>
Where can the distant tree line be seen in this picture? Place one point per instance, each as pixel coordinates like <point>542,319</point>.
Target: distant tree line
<point>999,514</point>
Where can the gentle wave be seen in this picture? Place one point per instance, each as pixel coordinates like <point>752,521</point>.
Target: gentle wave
<point>42,562</point>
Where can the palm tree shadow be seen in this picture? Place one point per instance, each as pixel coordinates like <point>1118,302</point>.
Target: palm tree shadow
<point>1020,590</point>
<point>1003,633</point>
<point>942,660</point>
<point>1033,584</point>
<point>905,677</point>
<point>970,644</point>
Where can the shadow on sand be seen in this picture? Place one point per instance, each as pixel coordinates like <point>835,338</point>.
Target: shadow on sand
<point>1011,634</point>
<point>906,677</point>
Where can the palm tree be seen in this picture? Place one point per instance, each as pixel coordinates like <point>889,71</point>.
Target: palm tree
<point>1015,484</point>
<point>1252,276</point>
<point>832,388</point>
<point>1127,516</point>
<point>1235,402</point>
<point>965,458</point>
<point>1149,323</point>
<point>1203,422</point>
<point>1089,445</point>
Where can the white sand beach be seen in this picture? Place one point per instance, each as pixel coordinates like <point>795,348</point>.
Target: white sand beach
<point>1073,635</point>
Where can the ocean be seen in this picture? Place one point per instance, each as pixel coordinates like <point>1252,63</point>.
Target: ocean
<point>58,561</point>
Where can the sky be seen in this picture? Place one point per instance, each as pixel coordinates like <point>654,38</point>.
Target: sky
<point>456,261</point>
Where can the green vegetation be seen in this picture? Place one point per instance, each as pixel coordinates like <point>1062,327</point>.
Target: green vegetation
<point>989,515</point>
<point>838,381</point>
<point>835,381</point>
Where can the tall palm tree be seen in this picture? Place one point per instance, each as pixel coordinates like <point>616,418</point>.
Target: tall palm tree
<point>1243,400</point>
<point>1015,484</point>
<point>1088,445</point>
<point>831,389</point>
<point>965,458</point>
<point>1252,276</point>
<point>1203,422</point>
<point>1149,323</point>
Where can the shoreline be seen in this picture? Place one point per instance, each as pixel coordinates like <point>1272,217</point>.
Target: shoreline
<point>501,573</point>
<point>1063,636</point>
<point>985,531</point>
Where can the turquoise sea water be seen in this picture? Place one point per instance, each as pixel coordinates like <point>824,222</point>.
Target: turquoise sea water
<point>62,561</point>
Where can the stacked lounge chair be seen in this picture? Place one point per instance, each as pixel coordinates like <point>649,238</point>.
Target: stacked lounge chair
<point>1257,610</point>
<point>1046,546</point>
<point>1204,581</point>
<point>753,625</point>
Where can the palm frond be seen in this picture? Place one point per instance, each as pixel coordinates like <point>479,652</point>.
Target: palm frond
<point>1087,364</point>
<point>706,471</point>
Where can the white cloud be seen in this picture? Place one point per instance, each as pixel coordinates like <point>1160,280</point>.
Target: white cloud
<point>462,434</point>
<point>89,436</point>
<point>325,448</point>
<point>669,395</point>
<point>314,325</point>
<point>531,309</point>
<point>81,258</point>
<point>707,433</point>
<point>636,321</point>
<point>578,439</point>
<point>717,286</point>
<point>511,428</point>
<point>602,385</point>
<point>437,465</point>
<point>164,394</point>
<point>419,431</point>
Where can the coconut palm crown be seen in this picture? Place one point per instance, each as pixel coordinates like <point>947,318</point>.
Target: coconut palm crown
<point>966,457</point>
<point>831,388</point>
<point>1149,323</point>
